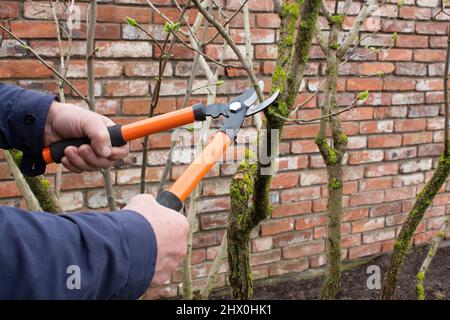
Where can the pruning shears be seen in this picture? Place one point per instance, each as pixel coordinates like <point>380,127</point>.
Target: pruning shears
<point>234,112</point>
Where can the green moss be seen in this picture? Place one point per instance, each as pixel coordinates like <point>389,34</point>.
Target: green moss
<point>420,276</point>
<point>337,19</point>
<point>331,157</point>
<point>335,45</point>
<point>420,292</point>
<point>344,138</point>
<point>40,187</point>
<point>335,183</point>
<point>292,9</point>
<point>278,78</point>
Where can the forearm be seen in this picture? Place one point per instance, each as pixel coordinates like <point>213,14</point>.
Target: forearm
<point>23,114</point>
<point>115,254</point>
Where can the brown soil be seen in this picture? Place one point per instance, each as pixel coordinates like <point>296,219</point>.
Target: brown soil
<point>437,281</point>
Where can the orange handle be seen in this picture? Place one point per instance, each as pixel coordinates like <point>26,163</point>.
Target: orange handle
<point>160,123</point>
<point>200,166</point>
<point>120,135</point>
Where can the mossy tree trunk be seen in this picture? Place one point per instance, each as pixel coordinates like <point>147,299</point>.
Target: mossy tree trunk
<point>251,184</point>
<point>40,187</point>
<point>423,200</point>
<point>333,149</point>
<point>332,155</point>
<point>240,224</point>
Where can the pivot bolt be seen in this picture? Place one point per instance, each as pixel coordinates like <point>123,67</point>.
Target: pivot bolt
<point>235,106</point>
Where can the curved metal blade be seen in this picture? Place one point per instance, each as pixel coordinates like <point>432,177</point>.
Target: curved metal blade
<point>250,101</point>
<point>259,107</point>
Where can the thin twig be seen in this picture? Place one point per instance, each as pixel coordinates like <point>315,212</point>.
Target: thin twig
<point>227,22</point>
<point>45,63</point>
<point>233,46</point>
<point>420,291</point>
<point>169,42</point>
<point>28,195</point>
<point>446,102</point>
<point>355,103</point>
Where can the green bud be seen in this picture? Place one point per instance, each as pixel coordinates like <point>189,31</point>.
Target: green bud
<point>132,22</point>
<point>394,36</point>
<point>171,27</point>
<point>219,83</point>
<point>363,95</point>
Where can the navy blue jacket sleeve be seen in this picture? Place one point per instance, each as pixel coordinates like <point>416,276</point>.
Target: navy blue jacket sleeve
<point>76,256</point>
<point>22,120</point>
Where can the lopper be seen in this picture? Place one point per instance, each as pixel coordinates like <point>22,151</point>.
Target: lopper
<point>234,112</point>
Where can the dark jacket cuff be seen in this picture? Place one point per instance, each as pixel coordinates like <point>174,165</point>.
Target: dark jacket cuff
<point>27,123</point>
<point>143,252</point>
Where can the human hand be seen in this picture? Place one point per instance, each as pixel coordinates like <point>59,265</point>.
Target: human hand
<point>66,121</point>
<point>171,229</point>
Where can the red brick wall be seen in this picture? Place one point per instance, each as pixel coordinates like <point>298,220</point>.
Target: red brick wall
<point>394,139</point>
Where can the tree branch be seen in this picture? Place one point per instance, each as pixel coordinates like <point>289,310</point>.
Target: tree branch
<point>365,12</point>
<point>233,46</point>
<point>45,63</point>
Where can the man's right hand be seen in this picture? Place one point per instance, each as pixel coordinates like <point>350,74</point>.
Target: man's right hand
<point>171,229</point>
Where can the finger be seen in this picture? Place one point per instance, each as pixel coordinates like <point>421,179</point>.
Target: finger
<point>107,121</point>
<point>119,152</point>
<point>69,166</point>
<point>95,129</point>
<point>90,157</point>
<point>75,160</point>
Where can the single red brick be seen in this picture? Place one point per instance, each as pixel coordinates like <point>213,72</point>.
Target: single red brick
<point>410,125</point>
<point>427,55</point>
<point>364,250</point>
<point>379,235</point>
<point>413,13</point>
<point>9,9</point>
<point>395,55</point>
<point>385,141</point>
<point>23,69</point>
<point>300,131</point>
<point>304,146</point>
<point>268,20</point>
<point>382,183</point>
<point>303,250</point>
<point>376,126</point>
<point>277,226</point>
<point>429,27</point>
<point>284,210</point>
<point>417,138</point>
<point>367,198</point>
<point>411,41</point>
<point>366,84</point>
<point>400,194</point>
<point>111,13</point>
<point>265,257</point>
<point>284,180</point>
<point>366,156</point>
<point>310,222</point>
<point>399,84</point>
<point>371,68</point>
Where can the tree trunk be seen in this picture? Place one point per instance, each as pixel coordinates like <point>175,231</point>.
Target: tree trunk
<point>332,156</point>
<point>240,224</point>
<point>293,52</point>
<point>41,188</point>
<point>423,201</point>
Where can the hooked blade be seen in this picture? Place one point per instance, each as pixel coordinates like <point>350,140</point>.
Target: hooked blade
<point>259,107</point>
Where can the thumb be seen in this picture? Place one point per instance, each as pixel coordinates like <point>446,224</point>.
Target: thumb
<point>95,129</point>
